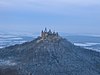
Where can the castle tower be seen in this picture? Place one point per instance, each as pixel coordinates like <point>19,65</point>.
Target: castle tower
<point>49,32</point>
<point>45,30</point>
<point>57,34</point>
<point>54,33</point>
<point>42,33</point>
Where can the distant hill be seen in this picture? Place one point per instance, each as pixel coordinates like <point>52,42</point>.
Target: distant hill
<point>49,54</point>
<point>83,38</point>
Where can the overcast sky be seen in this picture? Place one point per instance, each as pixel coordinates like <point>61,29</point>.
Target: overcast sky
<point>70,16</point>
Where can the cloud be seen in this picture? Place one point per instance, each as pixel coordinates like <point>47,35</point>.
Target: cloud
<point>48,3</point>
<point>54,12</point>
<point>51,6</point>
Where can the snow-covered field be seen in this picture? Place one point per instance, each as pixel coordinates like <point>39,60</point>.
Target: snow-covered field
<point>86,44</point>
<point>86,41</point>
<point>93,46</point>
<point>10,39</point>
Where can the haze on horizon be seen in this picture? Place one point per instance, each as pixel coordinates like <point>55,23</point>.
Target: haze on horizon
<point>70,16</point>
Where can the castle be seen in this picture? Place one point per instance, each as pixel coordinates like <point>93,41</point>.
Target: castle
<point>46,33</point>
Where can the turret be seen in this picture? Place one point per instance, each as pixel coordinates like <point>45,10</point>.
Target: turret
<point>57,34</point>
<point>42,33</point>
<point>49,32</point>
<point>45,30</point>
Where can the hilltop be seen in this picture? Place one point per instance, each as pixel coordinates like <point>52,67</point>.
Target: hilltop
<point>50,54</point>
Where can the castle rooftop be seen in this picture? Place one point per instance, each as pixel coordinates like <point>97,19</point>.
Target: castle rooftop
<point>48,34</point>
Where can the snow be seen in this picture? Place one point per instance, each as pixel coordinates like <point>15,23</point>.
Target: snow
<point>17,38</point>
<point>85,44</point>
<point>81,44</point>
<point>97,50</point>
<point>6,36</point>
<point>1,47</point>
<point>9,39</point>
<point>7,63</point>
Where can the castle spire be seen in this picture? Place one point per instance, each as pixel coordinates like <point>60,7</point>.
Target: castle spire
<point>42,33</point>
<point>45,29</point>
<point>50,32</point>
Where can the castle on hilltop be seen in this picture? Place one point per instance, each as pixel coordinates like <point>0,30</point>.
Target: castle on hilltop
<point>46,33</point>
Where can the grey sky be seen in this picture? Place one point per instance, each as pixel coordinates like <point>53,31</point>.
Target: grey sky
<point>70,16</point>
